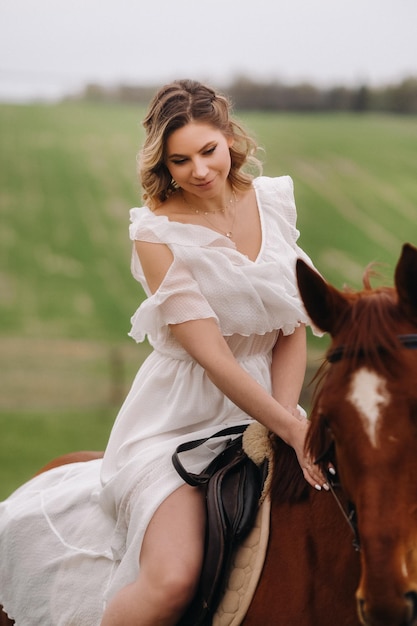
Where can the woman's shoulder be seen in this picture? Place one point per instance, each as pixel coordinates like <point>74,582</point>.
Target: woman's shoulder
<point>141,220</point>
<point>137,213</point>
<point>277,203</point>
<point>166,215</point>
<point>276,195</point>
<point>283,184</point>
<point>160,227</point>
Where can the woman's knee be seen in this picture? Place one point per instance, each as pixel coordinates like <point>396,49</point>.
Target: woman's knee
<point>175,586</point>
<point>179,589</point>
<point>173,547</point>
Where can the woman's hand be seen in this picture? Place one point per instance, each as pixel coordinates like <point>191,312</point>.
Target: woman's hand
<point>311,472</point>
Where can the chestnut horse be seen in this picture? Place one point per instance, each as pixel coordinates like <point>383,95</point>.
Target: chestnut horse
<point>364,423</point>
<point>364,420</point>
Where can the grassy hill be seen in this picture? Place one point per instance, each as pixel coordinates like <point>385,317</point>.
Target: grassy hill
<point>67,181</point>
<point>356,187</point>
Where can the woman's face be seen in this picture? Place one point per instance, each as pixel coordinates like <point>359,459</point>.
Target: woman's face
<point>198,159</point>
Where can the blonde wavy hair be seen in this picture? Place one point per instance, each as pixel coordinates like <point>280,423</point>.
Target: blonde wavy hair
<point>174,106</point>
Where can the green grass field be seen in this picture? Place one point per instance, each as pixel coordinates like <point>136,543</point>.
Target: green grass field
<point>67,181</point>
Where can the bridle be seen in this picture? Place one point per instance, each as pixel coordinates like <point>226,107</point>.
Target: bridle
<point>409,342</point>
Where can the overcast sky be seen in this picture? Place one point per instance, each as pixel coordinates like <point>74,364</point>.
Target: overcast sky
<point>48,47</point>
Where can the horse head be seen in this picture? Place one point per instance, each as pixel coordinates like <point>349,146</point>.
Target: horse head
<point>365,416</point>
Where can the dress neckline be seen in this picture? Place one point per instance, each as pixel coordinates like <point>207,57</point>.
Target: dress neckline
<point>217,234</point>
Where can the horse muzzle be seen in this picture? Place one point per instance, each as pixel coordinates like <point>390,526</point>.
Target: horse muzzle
<point>402,613</point>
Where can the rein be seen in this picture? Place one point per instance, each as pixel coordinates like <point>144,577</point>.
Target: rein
<point>349,515</point>
<point>407,341</point>
<point>350,512</point>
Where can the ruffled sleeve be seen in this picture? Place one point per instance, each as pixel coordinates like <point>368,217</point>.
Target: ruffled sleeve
<point>179,298</point>
<point>289,215</point>
<point>276,197</point>
<point>280,246</point>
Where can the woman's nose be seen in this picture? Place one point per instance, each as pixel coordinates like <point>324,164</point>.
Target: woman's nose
<point>200,168</point>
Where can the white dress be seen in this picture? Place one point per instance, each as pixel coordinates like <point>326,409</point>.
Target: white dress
<point>70,538</point>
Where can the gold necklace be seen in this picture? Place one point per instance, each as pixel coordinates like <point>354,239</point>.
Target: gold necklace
<point>232,203</point>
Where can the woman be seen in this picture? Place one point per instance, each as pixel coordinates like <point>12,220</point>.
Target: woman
<point>215,251</point>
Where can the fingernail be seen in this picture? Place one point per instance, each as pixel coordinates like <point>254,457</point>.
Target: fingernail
<point>332,471</point>
<point>317,487</point>
<point>326,487</point>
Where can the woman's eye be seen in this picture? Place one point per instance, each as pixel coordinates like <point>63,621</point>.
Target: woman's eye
<point>184,160</point>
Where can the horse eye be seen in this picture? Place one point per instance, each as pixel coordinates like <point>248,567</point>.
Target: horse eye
<point>327,426</point>
<point>325,421</point>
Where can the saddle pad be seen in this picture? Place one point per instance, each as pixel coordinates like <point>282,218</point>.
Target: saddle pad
<point>247,564</point>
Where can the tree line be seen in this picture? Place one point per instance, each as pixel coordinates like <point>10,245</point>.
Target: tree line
<point>248,94</point>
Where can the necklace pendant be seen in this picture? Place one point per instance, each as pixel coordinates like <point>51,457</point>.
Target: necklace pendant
<point>205,213</point>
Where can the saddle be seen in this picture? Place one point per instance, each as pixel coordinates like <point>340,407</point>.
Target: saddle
<point>233,486</point>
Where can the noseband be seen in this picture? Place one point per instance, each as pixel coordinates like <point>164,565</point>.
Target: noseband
<point>407,341</point>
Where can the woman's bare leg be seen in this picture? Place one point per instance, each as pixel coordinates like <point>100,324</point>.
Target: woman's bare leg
<point>170,565</point>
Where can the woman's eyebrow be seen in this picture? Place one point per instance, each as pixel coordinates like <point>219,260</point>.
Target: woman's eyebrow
<point>177,155</point>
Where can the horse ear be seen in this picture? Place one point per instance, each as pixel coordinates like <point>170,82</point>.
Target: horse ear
<point>406,281</point>
<point>323,303</point>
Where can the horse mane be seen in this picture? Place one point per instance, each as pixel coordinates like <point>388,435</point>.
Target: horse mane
<point>288,483</point>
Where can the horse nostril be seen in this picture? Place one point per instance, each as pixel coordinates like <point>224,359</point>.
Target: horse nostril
<point>411,617</point>
<point>361,609</point>
<point>411,597</point>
